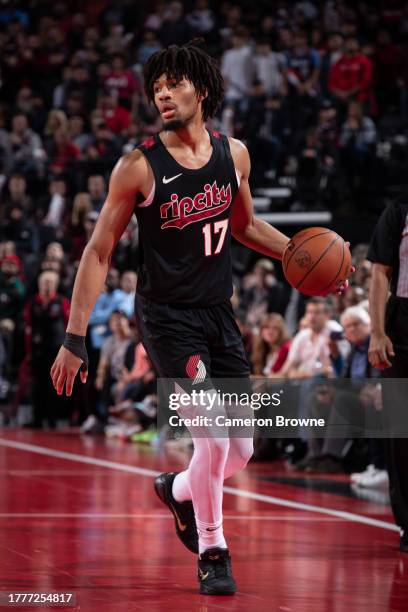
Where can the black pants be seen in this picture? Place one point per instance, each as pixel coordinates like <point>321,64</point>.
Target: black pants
<point>46,403</point>
<point>397,395</point>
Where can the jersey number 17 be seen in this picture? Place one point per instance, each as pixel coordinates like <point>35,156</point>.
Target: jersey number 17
<point>219,227</point>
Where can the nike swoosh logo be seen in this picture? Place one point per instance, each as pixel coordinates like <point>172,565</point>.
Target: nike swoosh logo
<point>212,528</point>
<point>172,178</point>
<point>202,575</point>
<point>179,523</point>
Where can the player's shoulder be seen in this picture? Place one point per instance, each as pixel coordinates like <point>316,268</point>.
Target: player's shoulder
<point>130,171</point>
<point>237,145</point>
<point>240,155</point>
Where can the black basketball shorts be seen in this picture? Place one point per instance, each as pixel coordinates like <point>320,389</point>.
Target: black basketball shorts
<point>198,344</point>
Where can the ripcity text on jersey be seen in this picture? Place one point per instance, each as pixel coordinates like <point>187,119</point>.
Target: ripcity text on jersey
<point>184,227</point>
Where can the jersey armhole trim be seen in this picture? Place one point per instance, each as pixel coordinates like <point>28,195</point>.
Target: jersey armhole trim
<point>149,198</point>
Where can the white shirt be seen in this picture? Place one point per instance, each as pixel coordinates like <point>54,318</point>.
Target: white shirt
<point>269,71</point>
<point>237,68</point>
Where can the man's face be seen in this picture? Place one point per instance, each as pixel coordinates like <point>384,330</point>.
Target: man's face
<point>177,102</point>
<point>128,282</point>
<point>17,186</point>
<point>351,47</point>
<point>118,64</point>
<point>355,330</point>
<point>9,268</point>
<point>54,249</point>
<point>19,124</point>
<point>316,317</point>
<point>96,186</point>
<point>301,42</point>
<point>48,284</point>
<point>335,42</point>
<point>112,279</point>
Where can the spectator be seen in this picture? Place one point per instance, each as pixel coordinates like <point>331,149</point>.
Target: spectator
<point>116,117</point>
<point>237,68</point>
<point>325,455</point>
<point>386,59</point>
<point>77,134</point>
<point>303,66</point>
<point>103,150</point>
<point>97,190</point>
<point>351,77</point>
<point>201,19</point>
<point>122,83</point>
<point>357,147</point>
<point>149,46</point>
<point>309,353</point>
<point>155,20</point>
<point>82,205</point>
<point>56,119</point>
<point>271,346</point>
<point>174,29</point>
<point>334,51</point>
<point>62,152</point>
<point>51,209</point>
<point>24,147</point>
<point>137,376</point>
<point>19,229</point>
<point>45,317</point>
<point>18,196</point>
<point>12,289</point>
<point>125,296</point>
<point>112,359</point>
<point>262,292</point>
<point>302,78</point>
<point>269,67</point>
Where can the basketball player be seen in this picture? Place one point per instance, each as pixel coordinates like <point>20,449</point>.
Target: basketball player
<point>189,189</point>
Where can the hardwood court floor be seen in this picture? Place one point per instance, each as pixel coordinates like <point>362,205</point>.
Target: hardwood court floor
<point>78,514</point>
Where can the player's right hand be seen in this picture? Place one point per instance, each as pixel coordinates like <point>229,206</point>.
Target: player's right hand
<point>64,370</point>
<point>379,351</point>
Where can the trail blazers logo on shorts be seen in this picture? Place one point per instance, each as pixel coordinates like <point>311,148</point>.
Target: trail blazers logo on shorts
<point>195,369</point>
<point>210,203</point>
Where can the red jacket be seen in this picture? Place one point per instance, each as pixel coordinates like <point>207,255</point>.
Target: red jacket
<point>351,72</point>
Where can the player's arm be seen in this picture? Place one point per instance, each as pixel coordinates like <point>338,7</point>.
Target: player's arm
<point>127,176</point>
<point>245,226</point>
<point>380,348</point>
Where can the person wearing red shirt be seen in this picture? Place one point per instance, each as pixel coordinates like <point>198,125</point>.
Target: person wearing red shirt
<point>122,83</point>
<point>116,117</point>
<point>271,346</point>
<point>62,151</point>
<point>352,75</point>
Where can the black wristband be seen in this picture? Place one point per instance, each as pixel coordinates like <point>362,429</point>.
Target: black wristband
<point>76,345</point>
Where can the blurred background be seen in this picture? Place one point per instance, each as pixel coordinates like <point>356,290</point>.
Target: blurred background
<point>317,90</point>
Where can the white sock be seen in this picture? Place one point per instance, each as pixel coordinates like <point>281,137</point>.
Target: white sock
<point>210,535</point>
<point>181,488</point>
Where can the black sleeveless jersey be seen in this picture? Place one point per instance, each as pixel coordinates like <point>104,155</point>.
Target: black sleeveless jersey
<point>184,228</point>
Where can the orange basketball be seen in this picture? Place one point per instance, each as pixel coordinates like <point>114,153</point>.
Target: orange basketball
<point>316,261</point>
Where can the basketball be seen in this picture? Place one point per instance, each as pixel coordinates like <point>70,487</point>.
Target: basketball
<point>316,261</point>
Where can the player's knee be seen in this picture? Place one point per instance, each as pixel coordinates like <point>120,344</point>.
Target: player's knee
<point>241,450</point>
<point>219,449</point>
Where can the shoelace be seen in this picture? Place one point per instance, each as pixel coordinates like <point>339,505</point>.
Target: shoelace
<point>221,567</point>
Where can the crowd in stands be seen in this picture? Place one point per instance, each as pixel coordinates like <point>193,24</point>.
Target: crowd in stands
<point>318,91</point>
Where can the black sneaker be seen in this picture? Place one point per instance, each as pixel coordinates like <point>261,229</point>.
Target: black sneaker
<point>183,512</point>
<point>215,572</point>
<point>404,543</point>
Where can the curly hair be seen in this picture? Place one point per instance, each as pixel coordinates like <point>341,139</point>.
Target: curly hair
<point>192,63</point>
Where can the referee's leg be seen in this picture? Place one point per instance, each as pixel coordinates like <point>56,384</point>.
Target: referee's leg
<point>395,395</point>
